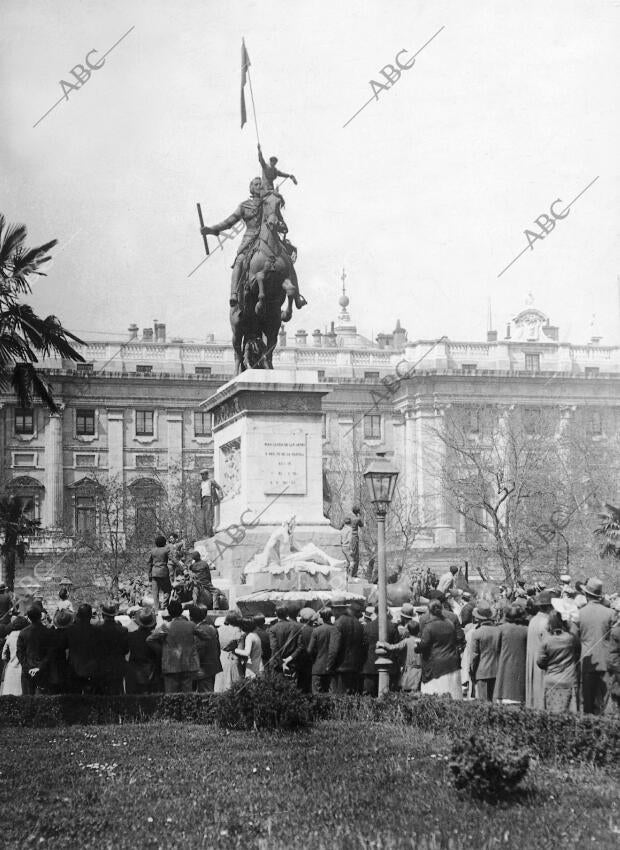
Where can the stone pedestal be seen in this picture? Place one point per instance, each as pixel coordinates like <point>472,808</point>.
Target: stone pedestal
<point>268,459</point>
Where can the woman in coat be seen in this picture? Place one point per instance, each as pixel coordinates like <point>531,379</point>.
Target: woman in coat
<point>510,681</point>
<point>441,666</point>
<point>231,638</point>
<point>12,684</point>
<point>558,656</point>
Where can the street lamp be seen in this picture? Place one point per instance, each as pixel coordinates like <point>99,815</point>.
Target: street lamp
<point>380,479</point>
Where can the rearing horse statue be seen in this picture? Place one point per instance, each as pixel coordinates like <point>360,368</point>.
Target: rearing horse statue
<point>269,280</point>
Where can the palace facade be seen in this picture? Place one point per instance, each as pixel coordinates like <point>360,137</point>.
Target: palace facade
<point>131,412</point>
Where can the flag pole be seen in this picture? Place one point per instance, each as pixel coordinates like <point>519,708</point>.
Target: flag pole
<point>253,104</point>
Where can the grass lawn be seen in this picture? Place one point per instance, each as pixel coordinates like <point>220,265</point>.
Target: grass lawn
<point>377,786</point>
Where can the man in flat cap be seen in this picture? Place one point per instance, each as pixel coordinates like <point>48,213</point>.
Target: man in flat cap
<point>211,495</point>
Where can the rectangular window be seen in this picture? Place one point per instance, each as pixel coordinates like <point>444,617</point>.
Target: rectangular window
<point>595,425</point>
<point>371,376</point>
<point>85,422</point>
<point>145,461</point>
<point>532,362</point>
<point>372,426</point>
<point>85,461</point>
<point>85,515</point>
<point>474,421</point>
<point>321,374</point>
<point>591,371</point>
<point>144,370</point>
<point>202,423</point>
<point>531,420</point>
<point>144,423</point>
<point>24,420</point>
<point>85,367</point>
<point>468,368</point>
<point>24,459</point>
<point>203,371</point>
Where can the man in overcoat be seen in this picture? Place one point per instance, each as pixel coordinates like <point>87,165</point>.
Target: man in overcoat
<point>347,663</point>
<point>595,624</point>
<point>324,642</point>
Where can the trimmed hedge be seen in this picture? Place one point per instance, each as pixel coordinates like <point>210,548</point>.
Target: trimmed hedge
<point>563,737</point>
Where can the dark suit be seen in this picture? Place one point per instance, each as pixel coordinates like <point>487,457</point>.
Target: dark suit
<point>84,645</point>
<point>114,647</point>
<point>301,662</point>
<point>34,646</point>
<point>347,663</point>
<point>324,642</point>
<point>209,657</point>
<point>264,642</point>
<point>142,672</point>
<point>283,637</point>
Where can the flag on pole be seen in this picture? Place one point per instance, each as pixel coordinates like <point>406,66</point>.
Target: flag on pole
<point>245,64</point>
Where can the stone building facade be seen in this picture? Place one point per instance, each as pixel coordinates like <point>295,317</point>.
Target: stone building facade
<point>132,411</point>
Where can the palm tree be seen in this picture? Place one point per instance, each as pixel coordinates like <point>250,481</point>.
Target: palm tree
<point>609,530</point>
<point>15,525</point>
<point>24,336</point>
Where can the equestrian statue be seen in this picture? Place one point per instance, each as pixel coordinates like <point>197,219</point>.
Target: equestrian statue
<point>263,275</point>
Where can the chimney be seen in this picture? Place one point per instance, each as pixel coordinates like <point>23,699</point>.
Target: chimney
<point>381,340</point>
<point>508,331</point>
<point>491,336</point>
<point>399,337</point>
<point>147,335</point>
<point>282,337</point>
<point>316,338</point>
<point>331,338</point>
<point>594,340</point>
<point>133,331</point>
<point>300,337</point>
<point>160,331</point>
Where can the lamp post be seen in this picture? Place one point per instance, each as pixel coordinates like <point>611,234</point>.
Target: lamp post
<point>380,477</point>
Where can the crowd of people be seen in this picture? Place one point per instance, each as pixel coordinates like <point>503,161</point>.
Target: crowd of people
<point>549,648</point>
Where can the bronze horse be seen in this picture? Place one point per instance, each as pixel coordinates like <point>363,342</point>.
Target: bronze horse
<point>269,280</point>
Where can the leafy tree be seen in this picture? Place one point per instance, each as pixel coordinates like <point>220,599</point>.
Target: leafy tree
<point>24,336</point>
<point>15,525</point>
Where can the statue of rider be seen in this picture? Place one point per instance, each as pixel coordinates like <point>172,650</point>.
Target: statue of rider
<point>249,212</point>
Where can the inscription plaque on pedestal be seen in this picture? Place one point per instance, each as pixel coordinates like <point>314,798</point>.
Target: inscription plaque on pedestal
<point>285,464</point>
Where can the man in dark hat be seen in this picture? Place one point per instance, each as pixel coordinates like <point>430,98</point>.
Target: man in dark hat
<point>179,639</point>
<point>283,637</point>
<point>347,663</point>
<point>142,674</point>
<point>114,648</point>
<point>83,641</point>
<point>485,646</point>
<point>324,643</point>
<point>33,652</point>
<point>595,625</point>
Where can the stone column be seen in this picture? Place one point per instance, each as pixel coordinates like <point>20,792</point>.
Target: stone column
<point>116,444</point>
<point>54,491</point>
<point>174,420</point>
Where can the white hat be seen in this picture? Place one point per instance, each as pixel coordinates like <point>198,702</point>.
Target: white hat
<point>565,579</point>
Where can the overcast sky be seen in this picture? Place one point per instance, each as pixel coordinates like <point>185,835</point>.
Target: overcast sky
<point>424,197</point>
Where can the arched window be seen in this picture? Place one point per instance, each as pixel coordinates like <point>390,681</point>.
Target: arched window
<point>147,496</point>
<point>30,493</point>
